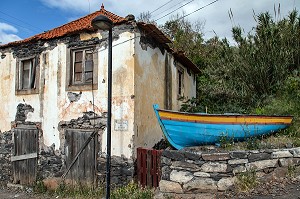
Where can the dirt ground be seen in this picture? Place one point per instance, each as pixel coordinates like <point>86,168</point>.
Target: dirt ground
<point>285,189</point>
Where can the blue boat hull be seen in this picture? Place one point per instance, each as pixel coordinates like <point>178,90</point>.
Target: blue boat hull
<point>185,130</point>
<point>185,134</point>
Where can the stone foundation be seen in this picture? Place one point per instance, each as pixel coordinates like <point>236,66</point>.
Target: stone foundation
<point>6,146</point>
<point>122,170</point>
<point>186,172</point>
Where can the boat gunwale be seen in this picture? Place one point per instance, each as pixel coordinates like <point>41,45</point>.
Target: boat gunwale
<point>228,123</point>
<point>226,115</point>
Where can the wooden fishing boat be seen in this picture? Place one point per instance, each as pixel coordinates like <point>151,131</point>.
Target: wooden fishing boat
<point>193,129</point>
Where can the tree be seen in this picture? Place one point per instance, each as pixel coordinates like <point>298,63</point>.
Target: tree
<point>186,36</point>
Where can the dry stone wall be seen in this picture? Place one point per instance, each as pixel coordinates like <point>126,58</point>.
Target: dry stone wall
<point>6,146</point>
<point>200,172</point>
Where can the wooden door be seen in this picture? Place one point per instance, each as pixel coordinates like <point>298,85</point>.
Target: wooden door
<point>24,156</point>
<point>83,171</point>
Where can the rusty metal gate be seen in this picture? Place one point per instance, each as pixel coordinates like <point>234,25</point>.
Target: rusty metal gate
<point>24,155</point>
<point>83,172</point>
<point>148,167</point>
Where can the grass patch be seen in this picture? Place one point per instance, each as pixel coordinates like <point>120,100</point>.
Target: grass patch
<point>275,141</point>
<point>132,191</point>
<point>247,181</point>
<point>39,187</point>
<point>69,191</point>
<point>78,191</point>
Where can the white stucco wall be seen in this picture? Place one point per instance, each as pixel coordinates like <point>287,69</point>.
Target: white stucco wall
<point>150,88</point>
<point>138,83</point>
<point>52,105</point>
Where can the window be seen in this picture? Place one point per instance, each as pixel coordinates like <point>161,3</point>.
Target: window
<point>83,69</point>
<point>27,76</point>
<point>180,81</point>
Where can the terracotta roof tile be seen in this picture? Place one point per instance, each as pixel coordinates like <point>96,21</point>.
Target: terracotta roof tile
<point>81,24</point>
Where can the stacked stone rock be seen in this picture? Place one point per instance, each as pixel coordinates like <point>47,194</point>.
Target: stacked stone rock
<point>50,163</point>
<point>122,170</point>
<point>200,172</point>
<point>6,146</point>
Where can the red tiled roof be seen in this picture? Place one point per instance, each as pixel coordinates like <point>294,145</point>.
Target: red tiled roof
<point>152,30</point>
<point>81,24</point>
<point>180,56</point>
<point>84,24</point>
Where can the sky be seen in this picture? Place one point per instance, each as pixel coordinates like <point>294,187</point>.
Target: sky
<point>20,19</point>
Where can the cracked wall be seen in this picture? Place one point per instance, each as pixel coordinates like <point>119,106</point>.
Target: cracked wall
<point>53,104</point>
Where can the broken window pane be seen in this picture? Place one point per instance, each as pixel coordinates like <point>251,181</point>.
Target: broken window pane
<point>88,77</point>
<point>82,66</point>
<point>78,56</point>
<point>89,66</point>
<point>78,77</point>
<point>25,74</point>
<point>89,55</point>
<point>78,67</point>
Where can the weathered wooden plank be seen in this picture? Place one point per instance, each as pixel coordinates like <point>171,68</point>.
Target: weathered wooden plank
<point>83,170</point>
<point>90,160</point>
<point>144,167</point>
<point>23,157</point>
<point>82,158</point>
<point>149,168</point>
<point>154,168</point>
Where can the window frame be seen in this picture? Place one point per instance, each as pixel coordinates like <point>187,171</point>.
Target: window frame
<point>71,84</point>
<point>180,81</point>
<point>19,82</point>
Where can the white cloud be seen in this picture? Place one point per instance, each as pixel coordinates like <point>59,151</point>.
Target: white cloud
<point>7,33</point>
<point>215,16</point>
<point>73,6</point>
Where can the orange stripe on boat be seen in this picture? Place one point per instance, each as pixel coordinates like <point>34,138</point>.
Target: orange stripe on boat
<point>225,119</point>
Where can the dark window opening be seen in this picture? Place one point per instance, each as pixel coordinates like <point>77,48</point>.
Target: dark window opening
<point>27,74</point>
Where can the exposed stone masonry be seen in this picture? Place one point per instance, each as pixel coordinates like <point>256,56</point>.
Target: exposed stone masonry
<point>122,170</point>
<point>200,172</point>
<point>6,146</point>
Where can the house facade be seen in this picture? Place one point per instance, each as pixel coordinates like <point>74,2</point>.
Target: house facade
<point>57,80</point>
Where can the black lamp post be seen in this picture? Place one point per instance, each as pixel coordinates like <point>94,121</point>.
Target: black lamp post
<point>103,23</point>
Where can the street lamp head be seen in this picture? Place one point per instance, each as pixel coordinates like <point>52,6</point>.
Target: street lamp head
<point>102,22</point>
<point>3,56</point>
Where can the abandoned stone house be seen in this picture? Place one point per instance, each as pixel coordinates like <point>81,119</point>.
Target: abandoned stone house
<point>54,95</point>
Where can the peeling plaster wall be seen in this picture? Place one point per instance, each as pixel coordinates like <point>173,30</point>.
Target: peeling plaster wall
<point>139,81</point>
<point>53,105</point>
<point>189,85</point>
<point>150,86</point>
<point>8,98</point>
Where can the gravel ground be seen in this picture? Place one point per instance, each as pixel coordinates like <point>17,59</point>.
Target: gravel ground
<point>284,189</point>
